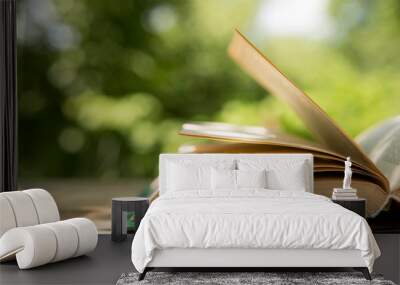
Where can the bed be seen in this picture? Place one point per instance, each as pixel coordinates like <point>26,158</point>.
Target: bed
<point>247,210</point>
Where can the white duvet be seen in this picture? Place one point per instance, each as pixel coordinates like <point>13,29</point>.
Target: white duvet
<point>251,219</point>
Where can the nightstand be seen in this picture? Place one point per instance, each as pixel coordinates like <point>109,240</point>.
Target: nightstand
<point>357,205</point>
<point>126,214</point>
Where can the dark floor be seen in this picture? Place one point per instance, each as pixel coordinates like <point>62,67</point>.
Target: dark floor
<point>110,259</point>
<point>102,266</point>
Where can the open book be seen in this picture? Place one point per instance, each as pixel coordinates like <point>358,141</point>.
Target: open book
<point>329,154</point>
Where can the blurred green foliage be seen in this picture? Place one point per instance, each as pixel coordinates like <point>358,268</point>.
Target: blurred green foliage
<point>104,86</point>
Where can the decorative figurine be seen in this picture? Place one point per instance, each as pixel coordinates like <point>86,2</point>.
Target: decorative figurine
<point>347,174</point>
<point>345,193</point>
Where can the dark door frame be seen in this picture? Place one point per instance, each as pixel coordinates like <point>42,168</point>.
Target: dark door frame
<point>8,96</point>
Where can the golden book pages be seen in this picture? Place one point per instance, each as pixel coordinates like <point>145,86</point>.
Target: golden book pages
<point>244,53</point>
<point>254,140</point>
<point>329,153</point>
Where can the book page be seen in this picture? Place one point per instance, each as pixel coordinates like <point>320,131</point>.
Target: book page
<point>382,144</point>
<point>261,136</point>
<point>324,129</point>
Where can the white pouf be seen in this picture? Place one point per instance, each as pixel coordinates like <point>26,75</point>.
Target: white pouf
<point>41,244</point>
<point>31,232</point>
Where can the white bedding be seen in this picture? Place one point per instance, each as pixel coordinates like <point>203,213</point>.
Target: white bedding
<point>251,219</point>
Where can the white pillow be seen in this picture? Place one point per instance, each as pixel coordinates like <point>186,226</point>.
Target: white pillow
<point>189,174</point>
<point>288,174</point>
<point>295,180</point>
<point>187,177</point>
<point>251,178</point>
<point>227,179</point>
<point>223,179</point>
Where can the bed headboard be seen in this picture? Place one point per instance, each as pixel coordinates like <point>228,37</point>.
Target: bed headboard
<point>202,159</point>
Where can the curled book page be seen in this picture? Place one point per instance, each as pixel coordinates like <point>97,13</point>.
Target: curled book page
<point>331,149</point>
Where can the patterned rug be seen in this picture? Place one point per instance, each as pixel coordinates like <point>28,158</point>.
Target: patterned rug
<point>269,278</point>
